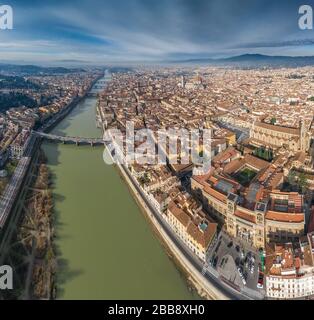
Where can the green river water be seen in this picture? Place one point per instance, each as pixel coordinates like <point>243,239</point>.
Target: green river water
<point>106,248</point>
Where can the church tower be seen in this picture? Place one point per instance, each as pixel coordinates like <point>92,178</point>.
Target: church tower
<point>303,137</point>
<point>183,82</point>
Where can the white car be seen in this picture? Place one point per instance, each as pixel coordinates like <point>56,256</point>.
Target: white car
<point>260,282</point>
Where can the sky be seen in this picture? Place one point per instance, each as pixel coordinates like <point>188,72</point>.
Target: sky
<point>105,31</point>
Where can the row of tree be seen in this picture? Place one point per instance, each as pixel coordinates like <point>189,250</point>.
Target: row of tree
<point>298,179</point>
<point>16,99</point>
<point>15,82</point>
<point>263,153</point>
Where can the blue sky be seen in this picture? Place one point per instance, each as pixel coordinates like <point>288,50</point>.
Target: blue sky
<point>101,31</point>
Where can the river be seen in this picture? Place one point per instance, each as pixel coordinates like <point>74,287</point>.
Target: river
<point>106,247</point>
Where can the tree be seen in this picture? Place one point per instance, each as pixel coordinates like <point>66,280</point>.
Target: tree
<point>292,177</point>
<point>271,154</point>
<point>267,154</point>
<point>302,182</point>
<point>273,121</point>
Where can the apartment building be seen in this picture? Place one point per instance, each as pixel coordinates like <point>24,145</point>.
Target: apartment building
<point>289,270</point>
<point>191,224</point>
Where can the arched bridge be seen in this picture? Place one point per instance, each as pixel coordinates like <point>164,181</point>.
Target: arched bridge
<point>71,140</point>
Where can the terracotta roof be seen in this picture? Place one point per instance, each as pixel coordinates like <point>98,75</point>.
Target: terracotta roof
<point>181,216</point>
<point>203,238</point>
<point>256,162</point>
<point>248,159</point>
<point>234,166</point>
<point>216,194</point>
<point>285,217</point>
<point>293,131</point>
<point>226,154</point>
<point>245,216</point>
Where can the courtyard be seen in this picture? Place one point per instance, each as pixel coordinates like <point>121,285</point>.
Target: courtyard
<point>245,176</point>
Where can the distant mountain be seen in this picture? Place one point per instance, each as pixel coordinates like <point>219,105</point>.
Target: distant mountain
<point>35,70</point>
<point>256,60</point>
<point>252,57</point>
<point>72,61</point>
<point>271,59</point>
<point>119,69</point>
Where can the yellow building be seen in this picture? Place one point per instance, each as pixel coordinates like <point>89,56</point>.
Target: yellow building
<point>231,138</point>
<point>192,227</point>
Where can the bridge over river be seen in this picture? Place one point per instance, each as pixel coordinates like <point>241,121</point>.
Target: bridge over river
<point>71,140</point>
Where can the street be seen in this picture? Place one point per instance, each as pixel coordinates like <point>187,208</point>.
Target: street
<point>198,264</point>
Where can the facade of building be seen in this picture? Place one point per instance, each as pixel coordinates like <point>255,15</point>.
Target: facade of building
<point>191,225</point>
<point>19,144</point>
<point>289,270</point>
<point>296,139</point>
<point>254,215</point>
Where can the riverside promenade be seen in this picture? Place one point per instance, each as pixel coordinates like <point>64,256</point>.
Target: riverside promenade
<point>207,283</point>
<point>190,264</point>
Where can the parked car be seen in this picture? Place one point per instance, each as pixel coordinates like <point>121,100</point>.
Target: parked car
<point>215,261</point>
<point>217,248</point>
<point>240,270</point>
<point>260,283</point>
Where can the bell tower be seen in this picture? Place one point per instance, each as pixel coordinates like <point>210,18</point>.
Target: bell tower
<point>303,137</point>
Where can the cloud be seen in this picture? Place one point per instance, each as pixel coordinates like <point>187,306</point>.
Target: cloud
<point>120,30</point>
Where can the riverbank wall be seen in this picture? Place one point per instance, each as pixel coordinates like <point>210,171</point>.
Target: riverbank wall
<point>193,276</point>
<point>204,288</point>
<point>52,123</point>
